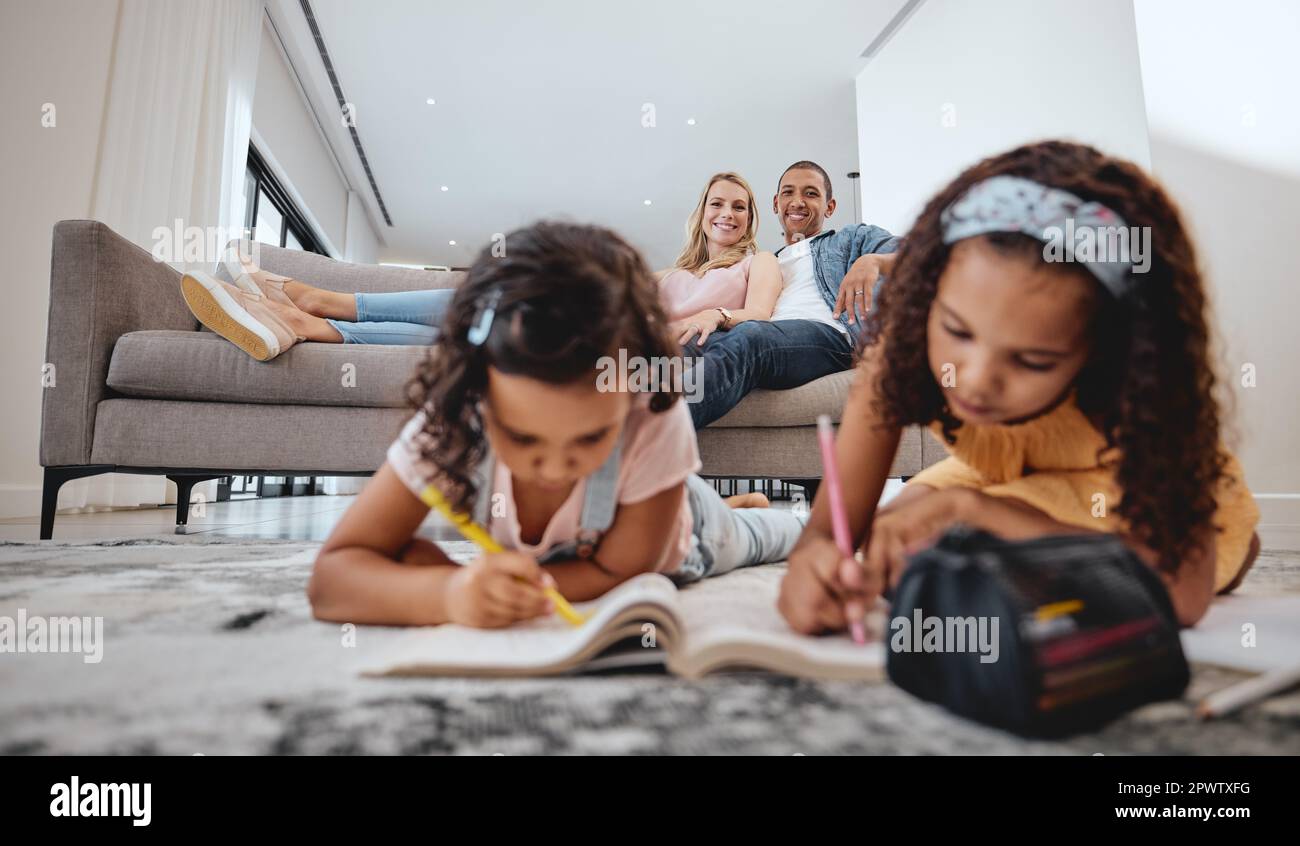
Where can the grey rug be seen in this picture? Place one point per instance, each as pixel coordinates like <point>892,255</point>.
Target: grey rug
<point>209,647</point>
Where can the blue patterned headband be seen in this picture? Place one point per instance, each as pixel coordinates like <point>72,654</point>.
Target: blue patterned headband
<point>1071,230</point>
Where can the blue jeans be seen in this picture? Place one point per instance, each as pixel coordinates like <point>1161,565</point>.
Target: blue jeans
<point>400,317</point>
<point>776,355</point>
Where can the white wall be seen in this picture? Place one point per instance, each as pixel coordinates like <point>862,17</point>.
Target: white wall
<point>362,246</point>
<point>59,52</point>
<point>1225,141</point>
<point>1218,93</point>
<point>962,80</point>
<point>54,52</point>
<point>287,133</point>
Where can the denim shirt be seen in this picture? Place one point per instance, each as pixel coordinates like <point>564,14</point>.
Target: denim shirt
<point>833,253</point>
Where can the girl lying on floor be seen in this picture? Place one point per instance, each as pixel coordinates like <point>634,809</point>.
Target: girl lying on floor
<point>583,486</point>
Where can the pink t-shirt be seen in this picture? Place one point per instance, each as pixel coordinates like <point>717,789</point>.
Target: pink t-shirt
<point>683,293</point>
<point>659,451</point>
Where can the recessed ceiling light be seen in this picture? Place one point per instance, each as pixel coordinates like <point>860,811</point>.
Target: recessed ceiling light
<point>429,101</point>
<point>444,187</point>
<point>647,202</point>
<point>452,243</point>
<point>690,121</point>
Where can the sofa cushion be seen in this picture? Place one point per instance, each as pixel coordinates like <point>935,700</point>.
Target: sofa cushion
<point>786,453</point>
<point>171,364</point>
<point>202,366</point>
<point>796,407</point>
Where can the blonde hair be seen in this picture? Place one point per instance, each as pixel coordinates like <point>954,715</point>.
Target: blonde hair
<point>695,255</point>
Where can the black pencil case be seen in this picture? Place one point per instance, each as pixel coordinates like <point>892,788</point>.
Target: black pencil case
<point>1084,631</point>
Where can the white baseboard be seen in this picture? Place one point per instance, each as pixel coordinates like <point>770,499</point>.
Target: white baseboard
<point>1279,521</point>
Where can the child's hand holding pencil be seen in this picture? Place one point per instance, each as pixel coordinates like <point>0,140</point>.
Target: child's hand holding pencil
<point>826,588</point>
<point>823,591</point>
<point>499,589</point>
<point>526,569</point>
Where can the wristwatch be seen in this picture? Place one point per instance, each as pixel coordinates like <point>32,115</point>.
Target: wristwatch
<point>726,317</point>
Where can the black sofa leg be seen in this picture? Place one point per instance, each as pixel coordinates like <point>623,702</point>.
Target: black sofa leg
<point>810,488</point>
<point>54,479</point>
<point>184,485</point>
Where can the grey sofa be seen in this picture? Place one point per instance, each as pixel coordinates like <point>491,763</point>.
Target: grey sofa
<point>138,387</point>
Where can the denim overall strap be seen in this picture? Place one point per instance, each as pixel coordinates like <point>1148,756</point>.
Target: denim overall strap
<point>599,503</point>
<point>483,477</point>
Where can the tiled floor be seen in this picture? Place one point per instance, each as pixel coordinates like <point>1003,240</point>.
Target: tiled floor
<point>290,518</point>
<point>296,518</point>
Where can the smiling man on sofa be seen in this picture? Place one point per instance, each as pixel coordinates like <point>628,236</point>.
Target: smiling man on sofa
<point>829,280</point>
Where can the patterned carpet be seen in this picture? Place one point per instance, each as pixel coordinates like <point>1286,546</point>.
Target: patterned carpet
<point>209,647</point>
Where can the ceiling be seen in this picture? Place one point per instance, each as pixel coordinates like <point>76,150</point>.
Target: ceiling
<point>539,110</point>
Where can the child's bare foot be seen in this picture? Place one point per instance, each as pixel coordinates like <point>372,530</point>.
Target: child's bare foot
<point>748,500</point>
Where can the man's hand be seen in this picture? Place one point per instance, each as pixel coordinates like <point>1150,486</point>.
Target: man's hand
<point>855,291</point>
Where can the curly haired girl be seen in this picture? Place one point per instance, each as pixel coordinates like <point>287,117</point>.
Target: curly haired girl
<point>1069,378</point>
<point>584,476</point>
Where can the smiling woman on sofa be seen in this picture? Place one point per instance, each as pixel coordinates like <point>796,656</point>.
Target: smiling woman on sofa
<point>721,278</point>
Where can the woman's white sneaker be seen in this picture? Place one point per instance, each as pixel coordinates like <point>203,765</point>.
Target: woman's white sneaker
<point>241,317</point>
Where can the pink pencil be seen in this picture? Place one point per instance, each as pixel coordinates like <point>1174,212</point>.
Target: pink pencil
<point>839,520</point>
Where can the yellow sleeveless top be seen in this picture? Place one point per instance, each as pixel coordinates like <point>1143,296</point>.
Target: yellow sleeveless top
<point>1053,462</point>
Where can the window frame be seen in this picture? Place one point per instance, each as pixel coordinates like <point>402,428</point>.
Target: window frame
<point>259,180</point>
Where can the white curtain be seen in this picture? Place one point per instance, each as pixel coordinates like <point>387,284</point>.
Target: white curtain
<point>174,145</point>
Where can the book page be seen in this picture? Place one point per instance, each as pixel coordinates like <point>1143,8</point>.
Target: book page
<point>1253,633</point>
<point>740,608</point>
<point>534,646</point>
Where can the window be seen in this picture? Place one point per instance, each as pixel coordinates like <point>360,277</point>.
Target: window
<point>271,218</point>
<point>270,215</point>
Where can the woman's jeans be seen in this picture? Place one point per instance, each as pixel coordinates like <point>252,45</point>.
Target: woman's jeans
<point>400,317</point>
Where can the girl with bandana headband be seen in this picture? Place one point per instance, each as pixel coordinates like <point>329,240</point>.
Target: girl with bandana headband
<point>1066,369</point>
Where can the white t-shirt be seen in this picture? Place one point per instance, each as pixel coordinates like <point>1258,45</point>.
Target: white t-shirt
<point>800,298</point>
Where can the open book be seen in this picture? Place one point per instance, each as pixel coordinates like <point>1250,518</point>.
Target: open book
<point>725,623</point>
<point>1247,632</point>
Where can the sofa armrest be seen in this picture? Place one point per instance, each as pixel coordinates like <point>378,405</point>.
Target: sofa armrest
<point>101,287</point>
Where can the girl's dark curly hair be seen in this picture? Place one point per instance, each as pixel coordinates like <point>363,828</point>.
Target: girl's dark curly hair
<point>565,295</point>
<point>1149,380</point>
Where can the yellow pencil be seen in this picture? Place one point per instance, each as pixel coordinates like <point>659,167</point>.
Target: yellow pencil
<point>472,531</point>
<point>1056,609</point>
